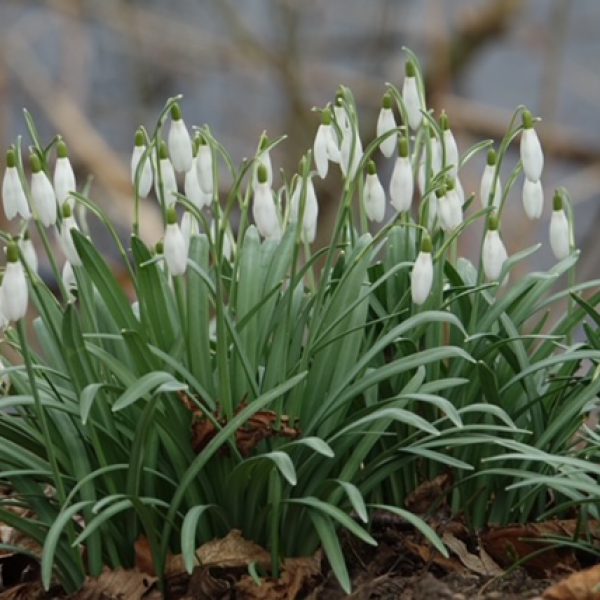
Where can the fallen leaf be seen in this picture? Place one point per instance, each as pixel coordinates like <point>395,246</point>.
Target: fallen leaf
<point>471,561</point>
<point>204,586</point>
<point>24,591</point>
<point>233,551</point>
<point>583,585</point>
<point>429,494</point>
<point>116,585</point>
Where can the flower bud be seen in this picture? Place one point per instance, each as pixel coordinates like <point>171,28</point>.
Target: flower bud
<point>386,123</point>
<point>533,198</point>
<point>411,96</point>
<point>64,177</point>
<point>43,199</point>
<point>192,188</point>
<point>204,167</point>
<point>494,252</point>
<point>13,195</point>
<point>450,146</point>
<point>374,195</point>
<point>264,210</point>
<point>14,291</point>
<point>145,181</point>
<point>311,209</point>
<point>351,144</point>
<point>175,247</point>
<point>421,277</point>
<point>167,175</point>
<point>487,181</point>
<point>180,143</point>
<point>263,158</point>
<point>444,210</point>
<point>68,224</point>
<point>401,182</point>
<point>532,156</point>
<point>455,202</point>
<point>559,229</point>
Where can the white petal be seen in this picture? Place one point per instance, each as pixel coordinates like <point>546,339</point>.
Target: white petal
<point>559,234</point>
<point>494,255</point>
<point>374,198</point>
<point>455,204</point>
<point>145,182</point>
<point>386,123</point>
<point>68,277</point>
<point>189,227</point>
<point>410,93</point>
<point>13,195</point>
<point>421,278</point>
<point>445,213</point>
<point>264,212</point>
<point>487,179</point>
<point>451,149</point>
<point>320,150</point>
<point>533,198</point>
<point>43,199</point>
<point>204,166</point>
<point>169,182</point>
<point>175,250</point>
<point>68,245</point>
<point>14,292</point>
<point>193,190</point>
<point>350,144</point>
<point>532,156</point>
<point>401,184</point>
<point>64,180</point>
<point>180,146</point>
<point>264,158</point>
<point>29,254</point>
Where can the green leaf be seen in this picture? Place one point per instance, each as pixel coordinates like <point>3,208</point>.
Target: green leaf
<point>188,534</point>
<point>156,382</point>
<point>356,499</point>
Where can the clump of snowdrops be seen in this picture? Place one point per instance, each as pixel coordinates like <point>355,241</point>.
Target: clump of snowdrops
<point>247,379</point>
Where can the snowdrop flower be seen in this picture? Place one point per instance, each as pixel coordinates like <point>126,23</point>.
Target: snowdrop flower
<point>64,177</point>
<point>533,198</point>
<point>14,292</point>
<point>192,188</point>
<point>175,248</point>
<point>68,279</point>
<point>66,238</point>
<point>228,242</point>
<point>374,195</point>
<point>325,147</point>
<point>459,190</point>
<point>311,209</point>
<point>559,229</point>
<point>444,209</point>
<point>263,157</point>
<point>4,322</point>
<point>13,195</point>
<point>494,252</point>
<point>487,180</point>
<point>411,96</point>
<point>401,183</point>
<point>421,277</point>
<point>204,167</point>
<point>450,146</point>
<point>43,200</point>
<point>264,210</point>
<point>180,143</point>
<point>341,114</point>
<point>166,174</point>
<point>145,181</point>
<point>4,380</point>
<point>385,124</point>
<point>189,227</point>
<point>455,202</point>
<point>532,156</point>
<point>28,252</point>
<point>351,152</point>
<point>436,152</point>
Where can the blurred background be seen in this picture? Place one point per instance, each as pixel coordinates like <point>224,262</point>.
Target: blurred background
<point>95,69</point>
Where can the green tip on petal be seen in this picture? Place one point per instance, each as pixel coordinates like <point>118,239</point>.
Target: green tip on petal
<point>261,174</point>
<point>403,147</point>
<point>12,252</point>
<point>371,168</point>
<point>441,191</point>
<point>492,222</point>
<point>140,140</point>
<point>264,142</point>
<point>61,149</point>
<point>163,151</point>
<point>557,201</point>
<point>444,121</point>
<point>171,216</point>
<point>410,69</point>
<point>450,183</point>
<point>159,247</point>
<point>491,157</point>
<point>387,100</point>
<point>426,245</point>
<point>36,165</point>
<point>175,112</point>
<point>326,117</point>
<point>527,119</point>
<point>66,210</point>
<point>11,158</point>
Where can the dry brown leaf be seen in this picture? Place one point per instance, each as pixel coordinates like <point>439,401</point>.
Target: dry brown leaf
<point>583,585</point>
<point>471,561</point>
<point>24,591</point>
<point>429,555</point>
<point>116,585</point>
<point>233,551</point>
<point>430,494</point>
<point>203,586</point>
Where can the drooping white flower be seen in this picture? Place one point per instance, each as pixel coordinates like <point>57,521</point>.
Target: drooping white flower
<point>374,195</point>
<point>145,181</point>
<point>311,209</point>
<point>455,203</point>
<point>43,200</point>
<point>228,241</point>
<point>494,252</point>
<point>401,183</point>
<point>189,227</point>
<point>386,123</point>
<point>421,277</point>
<point>532,156</point>
<point>450,146</point>
<point>325,147</point>
<point>411,96</point>
<point>341,115</point>
<point>68,279</point>
<point>487,181</point>
<point>180,143</point>
<point>175,247</point>
<point>444,210</point>
<point>204,167</point>
<point>264,210</point>
<point>263,157</point>
<point>14,286</point>
<point>533,198</point>
<point>64,177</point>
<point>68,225</point>
<point>28,252</point>
<point>459,191</point>
<point>166,175</point>
<point>559,229</point>
<point>351,152</point>
<point>193,191</point>
<point>13,195</point>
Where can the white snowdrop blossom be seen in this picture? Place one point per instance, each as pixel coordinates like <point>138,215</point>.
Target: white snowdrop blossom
<point>559,229</point>
<point>450,146</point>
<point>487,181</point>
<point>28,253</point>
<point>444,210</point>
<point>68,279</point>
<point>175,247</point>
<point>459,191</point>
<point>411,96</point>
<point>228,241</point>
<point>189,227</point>
<point>494,252</point>
<point>455,202</point>
<point>374,195</point>
<point>145,181</point>
<point>532,156</point>
<point>264,209</point>
<point>533,198</point>
<point>166,175</point>
<point>325,147</point>
<point>351,152</point>
<point>421,277</point>
<point>263,157</point>
<point>193,191</point>
<point>13,194</point>
<point>180,143</point>
<point>204,167</point>
<point>14,291</point>
<point>64,177</point>
<point>401,182</point>
<point>386,123</point>
<point>311,209</point>
<point>43,200</point>
<point>66,237</point>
